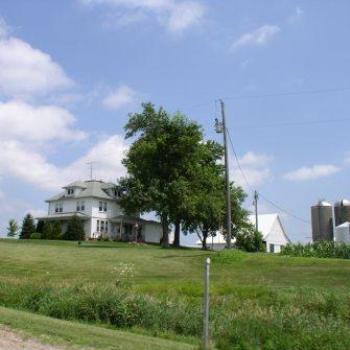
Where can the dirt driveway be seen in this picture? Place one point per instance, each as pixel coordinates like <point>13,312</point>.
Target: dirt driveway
<point>10,340</point>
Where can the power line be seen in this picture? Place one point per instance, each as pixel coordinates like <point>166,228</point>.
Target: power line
<point>288,212</point>
<point>293,123</point>
<point>276,94</point>
<point>288,93</point>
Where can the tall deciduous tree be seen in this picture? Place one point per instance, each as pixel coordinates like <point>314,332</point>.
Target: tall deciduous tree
<point>206,210</point>
<point>160,163</point>
<point>12,229</point>
<point>28,227</point>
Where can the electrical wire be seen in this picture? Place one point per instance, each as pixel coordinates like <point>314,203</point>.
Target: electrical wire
<point>285,211</point>
<point>293,123</point>
<point>288,93</point>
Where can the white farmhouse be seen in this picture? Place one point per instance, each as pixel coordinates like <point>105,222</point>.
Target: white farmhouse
<point>270,226</point>
<point>95,203</point>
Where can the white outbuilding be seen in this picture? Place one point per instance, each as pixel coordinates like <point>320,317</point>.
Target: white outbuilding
<point>342,233</point>
<point>270,226</point>
<point>274,233</point>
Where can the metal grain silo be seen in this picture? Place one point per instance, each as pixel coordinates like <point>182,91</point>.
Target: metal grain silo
<point>322,221</point>
<point>342,212</point>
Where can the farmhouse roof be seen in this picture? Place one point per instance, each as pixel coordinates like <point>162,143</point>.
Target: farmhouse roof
<point>90,188</point>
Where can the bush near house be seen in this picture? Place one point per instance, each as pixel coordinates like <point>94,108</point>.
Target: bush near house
<point>322,249</point>
<point>75,230</point>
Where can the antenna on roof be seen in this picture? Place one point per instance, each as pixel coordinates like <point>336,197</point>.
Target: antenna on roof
<point>91,164</point>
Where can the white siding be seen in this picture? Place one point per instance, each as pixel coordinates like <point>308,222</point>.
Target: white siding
<point>152,232</point>
<point>276,238</point>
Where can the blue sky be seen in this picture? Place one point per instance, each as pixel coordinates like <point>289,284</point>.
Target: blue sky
<point>71,70</point>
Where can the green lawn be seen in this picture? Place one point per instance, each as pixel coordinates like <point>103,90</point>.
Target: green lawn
<point>73,334</point>
<point>258,301</point>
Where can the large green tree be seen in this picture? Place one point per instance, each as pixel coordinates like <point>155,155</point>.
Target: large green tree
<point>160,165</point>
<point>28,227</point>
<point>205,211</point>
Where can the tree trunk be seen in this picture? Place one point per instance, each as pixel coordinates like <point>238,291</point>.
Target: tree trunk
<point>165,227</point>
<point>204,241</point>
<point>177,234</point>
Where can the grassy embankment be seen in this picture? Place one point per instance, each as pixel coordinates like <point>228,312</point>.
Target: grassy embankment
<point>259,301</point>
<point>73,334</point>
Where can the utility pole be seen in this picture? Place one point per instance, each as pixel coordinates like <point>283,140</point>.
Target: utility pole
<point>256,197</point>
<point>206,305</point>
<point>221,128</point>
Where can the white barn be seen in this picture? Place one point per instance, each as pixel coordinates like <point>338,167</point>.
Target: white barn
<point>270,226</point>
<point>95,203</point>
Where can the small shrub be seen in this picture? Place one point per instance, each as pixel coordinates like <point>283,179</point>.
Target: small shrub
<point>35,235</point>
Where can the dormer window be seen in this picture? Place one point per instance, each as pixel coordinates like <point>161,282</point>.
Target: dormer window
<point>70,191</point>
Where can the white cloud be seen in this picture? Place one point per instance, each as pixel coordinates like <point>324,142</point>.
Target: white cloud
<point>175,15</point>
<point>255,159</point>
<point>20,120</point>
<point>258,37</point>
<point>311,173</point>
<point>255,166</point>
<point>120,97</point>
<point>29,165</point>
<point>26,71</point>
<point>107,156</point>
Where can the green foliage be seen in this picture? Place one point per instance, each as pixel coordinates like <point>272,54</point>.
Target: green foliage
<point>28,227</point>
<point>35,235</point>
<point>322,249</point>
<point>75,230</point>
<point>297,319</point>
<point>46,230</point>
<point>40,226</point>
<point>160,164</point>
<point>258,301</point>
<point>51,230</point>
<point>12,229</point>
<point>57,230</point>
<point>81,335</point>
<point>250,240</point>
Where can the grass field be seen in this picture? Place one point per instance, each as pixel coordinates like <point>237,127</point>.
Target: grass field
<point>258,301</point>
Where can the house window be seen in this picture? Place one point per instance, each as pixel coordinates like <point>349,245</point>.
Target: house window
<point>81,206</point>
<point>70,191</point>
<point>98,226</point>
<point>272,248</point>
<point>102,206</point>
<point>59,207</point>
<point>102,226</point>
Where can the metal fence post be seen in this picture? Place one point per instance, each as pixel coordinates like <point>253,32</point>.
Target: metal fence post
<point>206,305</point>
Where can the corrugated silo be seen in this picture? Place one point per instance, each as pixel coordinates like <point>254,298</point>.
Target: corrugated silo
<point>342,212</point>
<point>322,221</point>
